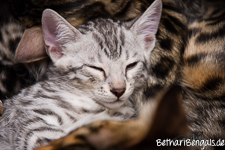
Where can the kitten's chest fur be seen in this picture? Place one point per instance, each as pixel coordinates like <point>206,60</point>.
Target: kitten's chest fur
<point>52,110</point>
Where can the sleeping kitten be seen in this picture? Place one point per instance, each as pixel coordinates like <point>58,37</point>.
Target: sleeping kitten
<point>94,72</point>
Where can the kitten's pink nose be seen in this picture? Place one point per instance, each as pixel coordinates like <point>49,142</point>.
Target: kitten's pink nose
<point>118,92</point>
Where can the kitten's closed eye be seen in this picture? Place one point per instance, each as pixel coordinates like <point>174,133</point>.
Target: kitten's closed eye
<point>131,66</point>
<point>97,68</point>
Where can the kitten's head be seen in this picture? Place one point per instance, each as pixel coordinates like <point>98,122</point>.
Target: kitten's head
<point>106,59</point>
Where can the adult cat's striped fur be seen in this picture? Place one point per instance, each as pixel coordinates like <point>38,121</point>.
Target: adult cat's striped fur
<point>203,72</point>
<point>77,11</point>
<point>92,77</point>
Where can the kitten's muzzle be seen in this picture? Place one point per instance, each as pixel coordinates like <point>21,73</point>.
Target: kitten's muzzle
<point>118,92</point>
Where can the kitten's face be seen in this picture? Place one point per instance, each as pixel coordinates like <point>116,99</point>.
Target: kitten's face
<point>104,58</point>
<point>107,68</point>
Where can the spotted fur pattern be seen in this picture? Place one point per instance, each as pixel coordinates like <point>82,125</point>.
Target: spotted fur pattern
<point>87,80</point>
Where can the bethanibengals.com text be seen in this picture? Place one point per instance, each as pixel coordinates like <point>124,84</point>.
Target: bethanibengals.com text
<point>190,142</point>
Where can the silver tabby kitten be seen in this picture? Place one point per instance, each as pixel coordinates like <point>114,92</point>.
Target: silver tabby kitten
<point>94,72</point>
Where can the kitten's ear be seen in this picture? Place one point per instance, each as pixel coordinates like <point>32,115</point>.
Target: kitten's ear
<point>147,25</point>
<point>57,33</point>
<point>31,46</point>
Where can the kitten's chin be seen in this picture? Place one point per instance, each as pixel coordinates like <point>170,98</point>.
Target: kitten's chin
<point>113,105</point>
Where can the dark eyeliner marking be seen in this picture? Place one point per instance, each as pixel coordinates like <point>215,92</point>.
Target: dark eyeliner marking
<point>131,66</point>
<point>97,68</point>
